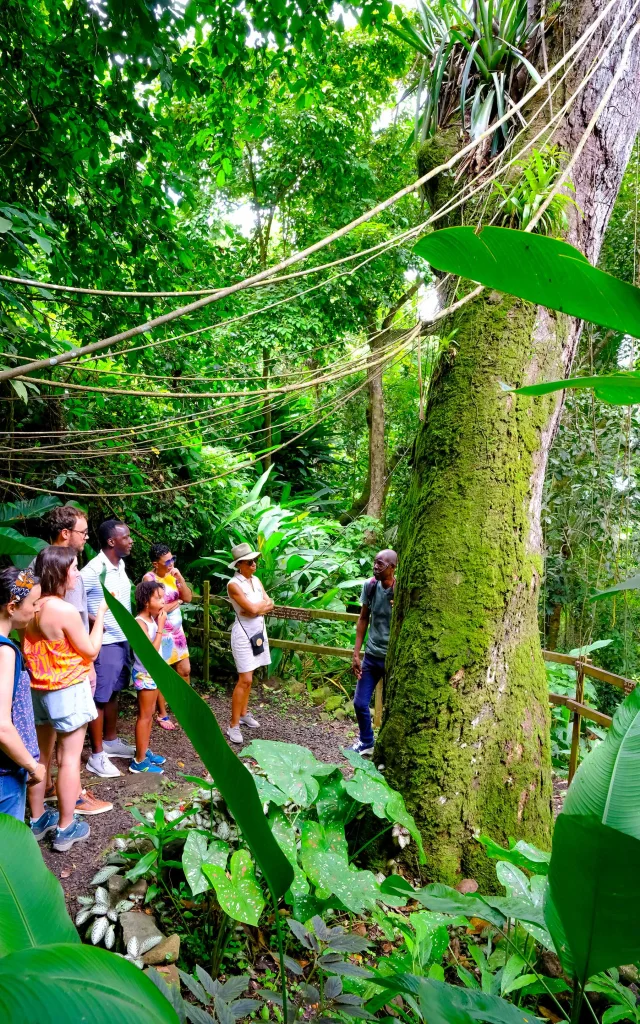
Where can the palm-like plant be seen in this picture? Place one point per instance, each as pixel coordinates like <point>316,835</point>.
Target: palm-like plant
<point>22,549</point>
<point>473,61</point>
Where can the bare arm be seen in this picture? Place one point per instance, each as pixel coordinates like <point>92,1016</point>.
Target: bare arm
<point>157,640</point>
<point>86,644</point>
<point>361,631</point>
<point>185,590</point>
<point>10,741</point>
<point>172,605</point>
<point>250,607</point>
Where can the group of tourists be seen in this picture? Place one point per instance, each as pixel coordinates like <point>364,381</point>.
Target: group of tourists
<point>70,668</point>
<point>73,661</point>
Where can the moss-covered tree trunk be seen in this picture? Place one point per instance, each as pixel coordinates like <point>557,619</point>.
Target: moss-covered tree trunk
<point>466,731</point>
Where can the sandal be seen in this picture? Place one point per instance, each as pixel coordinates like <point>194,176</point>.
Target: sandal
<point>165,723</point>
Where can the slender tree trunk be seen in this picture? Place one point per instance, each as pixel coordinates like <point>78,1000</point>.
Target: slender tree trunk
<point>375,419</point>
<point>466,730</point>
<point>266,459</point>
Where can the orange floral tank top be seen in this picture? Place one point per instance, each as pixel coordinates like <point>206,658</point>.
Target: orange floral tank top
<point>54,664</point>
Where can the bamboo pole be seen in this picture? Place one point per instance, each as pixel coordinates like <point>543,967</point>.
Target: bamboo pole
<point>206,627</point>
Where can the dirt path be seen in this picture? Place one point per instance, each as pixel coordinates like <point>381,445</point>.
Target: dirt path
<point>281,717</point>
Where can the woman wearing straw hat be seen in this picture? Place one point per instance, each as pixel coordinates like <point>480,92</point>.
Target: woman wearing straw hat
<point>249,643</point>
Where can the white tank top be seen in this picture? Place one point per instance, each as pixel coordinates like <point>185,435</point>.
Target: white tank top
<point>254,592</point>
<point>152,628</point>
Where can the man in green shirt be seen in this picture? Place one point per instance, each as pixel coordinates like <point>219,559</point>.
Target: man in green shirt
<point>376,603</point>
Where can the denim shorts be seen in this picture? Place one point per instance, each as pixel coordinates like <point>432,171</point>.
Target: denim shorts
<point>66,710</point>
<point>13,793</point>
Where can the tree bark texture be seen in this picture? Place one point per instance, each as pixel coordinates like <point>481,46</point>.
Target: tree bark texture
<point>465,735</point>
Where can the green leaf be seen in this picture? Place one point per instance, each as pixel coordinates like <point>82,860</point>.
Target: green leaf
<point>513,968</point>
<point>607,783</point>
<point>332,802</point>
<point>633,583</point>
<point>441,1003</point>
<point>446,900</point>
<point>537,268</point>
<point>239,896</point>
<point>290,767</point>
<point>62,982</point>
<point>522,854</point>
<point>13,543</point>
<point>368,790</point>
<point>324,857</point>
<point>514,880</point>
<point>32,907</point>
<point>231,777</point>
<point>285,836</point>
<point>594,886</point>
<point>5,225</point>
<point>268,793</point>
<point>197,852</point>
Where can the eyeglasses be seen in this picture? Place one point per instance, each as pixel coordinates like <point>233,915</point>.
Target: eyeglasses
<point>168,561</point>
<point>248,561</point>
<point>81,533</point>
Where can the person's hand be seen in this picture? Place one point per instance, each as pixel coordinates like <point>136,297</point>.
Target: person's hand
<point>162,618</point>
<point>269,604</point>
<point>356,665</point>
<point>177,575</point>
<point>103,608</point>
<point>37,775</point>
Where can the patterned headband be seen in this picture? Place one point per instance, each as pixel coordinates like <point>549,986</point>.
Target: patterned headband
<point>22,585</point>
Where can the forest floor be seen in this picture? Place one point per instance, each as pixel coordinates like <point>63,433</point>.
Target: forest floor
<point>281,716</point>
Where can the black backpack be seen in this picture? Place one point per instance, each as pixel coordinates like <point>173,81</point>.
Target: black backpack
<point>371,588</point>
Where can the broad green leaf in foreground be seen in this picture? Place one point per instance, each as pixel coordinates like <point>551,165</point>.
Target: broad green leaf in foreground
<point>62,983</point>
<point>594,885</point>
<point>32,907</point>
<point>239,896</point>
<point>290,767</point>
<point>441,1003</point>
<point>633,583</point>
<point>13,543</point>
<point>607,783</point>
<point>285,836</point>
<point>229,774</point>
<point>446,900</point>
<point>197,852</point>
<point>537,268</point>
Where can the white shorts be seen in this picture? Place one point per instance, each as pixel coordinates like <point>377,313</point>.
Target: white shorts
<point>66,710</point>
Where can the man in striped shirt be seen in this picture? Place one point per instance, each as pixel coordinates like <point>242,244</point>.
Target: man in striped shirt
<point>113,663</point>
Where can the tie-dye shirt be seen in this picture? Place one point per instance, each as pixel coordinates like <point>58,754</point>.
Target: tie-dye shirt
<point>174,642</point>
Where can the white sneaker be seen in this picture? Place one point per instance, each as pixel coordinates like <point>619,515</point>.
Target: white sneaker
<point>234,734</point>
<point>249,721</point>
<point>100,765</point>
<point>116,748</point>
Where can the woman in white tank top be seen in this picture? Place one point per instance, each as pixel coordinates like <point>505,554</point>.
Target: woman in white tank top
<point>251,604</point>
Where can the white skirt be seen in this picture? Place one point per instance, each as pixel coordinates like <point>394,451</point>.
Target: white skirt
<point>245,659</point>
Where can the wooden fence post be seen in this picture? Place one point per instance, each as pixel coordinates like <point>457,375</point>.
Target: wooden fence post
<point>377,707</point>
<point>577,722</point>
<point>206,623</point>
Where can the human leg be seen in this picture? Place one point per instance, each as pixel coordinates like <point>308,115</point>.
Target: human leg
<point>69,749</point>
<point>144,722</point>
<point>183,668</point>
<point>110,711</point>
<point>372,673</point>
<point>240,697</point>
<point>13,793</point>
<point>46,742</point>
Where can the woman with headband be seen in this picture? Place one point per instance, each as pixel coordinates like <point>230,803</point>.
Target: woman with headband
<point>19,765</point>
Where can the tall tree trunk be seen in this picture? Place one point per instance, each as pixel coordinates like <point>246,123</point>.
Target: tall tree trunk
<point>466,730</point>
<point>375,422</point>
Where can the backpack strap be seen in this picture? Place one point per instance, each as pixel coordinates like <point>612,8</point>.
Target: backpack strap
<point>371,588</point>
<point>6,642</point>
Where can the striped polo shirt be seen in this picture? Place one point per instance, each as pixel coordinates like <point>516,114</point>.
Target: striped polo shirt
<point>117,583</point>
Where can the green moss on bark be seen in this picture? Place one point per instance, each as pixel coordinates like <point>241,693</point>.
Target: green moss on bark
<point>466,729</point>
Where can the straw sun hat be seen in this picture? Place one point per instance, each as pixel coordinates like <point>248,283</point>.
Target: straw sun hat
<point>242,552</point>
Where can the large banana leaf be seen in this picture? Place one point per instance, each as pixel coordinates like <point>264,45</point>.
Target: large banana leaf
<point>607,783</point>
<point>231,777</point>
<point>594,882</point>
<point>29,508</point>
<point>61,984</point>
<point>535,267</point>
<point>13,543</point>
<point>633,583</point>
<point>32,907</point>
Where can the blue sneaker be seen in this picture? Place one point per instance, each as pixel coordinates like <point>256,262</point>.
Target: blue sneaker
<point>47,822</point>
<point>362,748</point>
<point>73,833</point>
<point>145,766</point>
<point>154,758</point>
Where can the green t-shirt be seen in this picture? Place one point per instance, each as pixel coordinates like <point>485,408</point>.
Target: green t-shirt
<point>380,607</point>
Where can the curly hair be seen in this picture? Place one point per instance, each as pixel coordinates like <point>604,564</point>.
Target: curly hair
<point>156,551</point>
<point>144,593</point>
<point>63,517</point>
